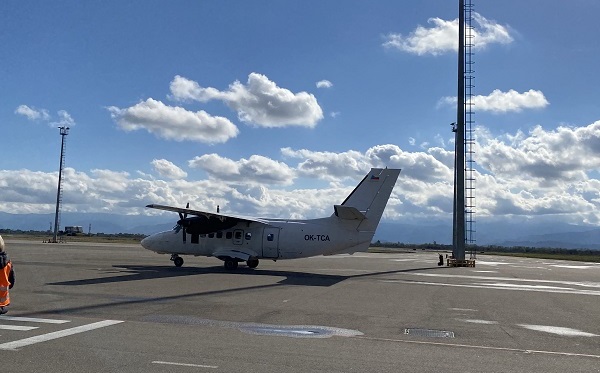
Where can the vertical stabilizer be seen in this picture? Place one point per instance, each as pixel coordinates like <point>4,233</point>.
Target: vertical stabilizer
<point>371,195</point>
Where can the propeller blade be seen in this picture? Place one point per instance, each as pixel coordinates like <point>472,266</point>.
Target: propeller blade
<point>181,217</point>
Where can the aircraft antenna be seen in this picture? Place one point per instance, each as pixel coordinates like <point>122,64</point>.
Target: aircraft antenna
<point>64,131</point>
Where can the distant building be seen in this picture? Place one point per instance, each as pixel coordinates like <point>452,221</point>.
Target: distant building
<point>73,230</point>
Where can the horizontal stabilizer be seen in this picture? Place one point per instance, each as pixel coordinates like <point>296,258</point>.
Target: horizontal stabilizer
<point>348,213</point>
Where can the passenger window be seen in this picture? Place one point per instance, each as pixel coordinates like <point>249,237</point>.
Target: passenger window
<point>248,236</point>
<point>238,235</point>
<point>270,237</point>
<point>211,235</point>
<point>219,234</point>
<point>228,235</point>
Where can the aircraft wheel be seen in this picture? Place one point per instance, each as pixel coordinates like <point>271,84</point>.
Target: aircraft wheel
<point>252,263</point>
<point>178,261</point>
<point>231,264</point>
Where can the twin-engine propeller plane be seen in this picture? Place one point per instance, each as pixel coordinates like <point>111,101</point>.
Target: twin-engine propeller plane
<point>235,239</point>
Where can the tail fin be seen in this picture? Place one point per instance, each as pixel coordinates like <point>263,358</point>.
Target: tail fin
<point>368,200</point>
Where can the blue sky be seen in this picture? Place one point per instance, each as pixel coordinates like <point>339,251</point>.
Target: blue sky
<point>278,108</point>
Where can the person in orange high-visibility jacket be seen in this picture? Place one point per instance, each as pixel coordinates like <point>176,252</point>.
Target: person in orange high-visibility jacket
<point>7,278</point>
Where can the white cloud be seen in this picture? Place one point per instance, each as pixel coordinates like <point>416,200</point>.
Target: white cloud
<point>442,37</point>
<point>328,165</point>
<point>64,120</point>
<point>503,102</point>
<point>324,84</point>
<point>32,113</point>
<point>260,101</point>
<point>168,169</point>
<point>174,123</point>
<point>255,170</point>
<point>551,173</point>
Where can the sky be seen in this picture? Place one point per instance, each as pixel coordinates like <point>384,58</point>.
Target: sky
<point>279,108</point>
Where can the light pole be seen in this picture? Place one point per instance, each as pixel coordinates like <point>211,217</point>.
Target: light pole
<point>64,131</point>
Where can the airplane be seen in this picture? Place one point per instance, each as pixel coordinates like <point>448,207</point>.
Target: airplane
<point>235,239</point>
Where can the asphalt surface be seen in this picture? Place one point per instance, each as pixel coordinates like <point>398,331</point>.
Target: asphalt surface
<point>120,308</point>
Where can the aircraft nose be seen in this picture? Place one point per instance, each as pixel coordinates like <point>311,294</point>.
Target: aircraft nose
<point>147,243</point>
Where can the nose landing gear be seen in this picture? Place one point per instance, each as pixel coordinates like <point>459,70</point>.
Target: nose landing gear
<point>177,260</point>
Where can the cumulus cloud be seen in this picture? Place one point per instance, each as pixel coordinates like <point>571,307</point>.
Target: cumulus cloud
<point>168,169</point>
<point>260,101</point>
<point>552,156</point>
<point>174,123</point>
<point>64,120</point>
<point>324,84</point>
<point>504,102</point>
<point>33,114</point>
<point>442,36</point>
<point>255,170</point>
<point>536,173</point>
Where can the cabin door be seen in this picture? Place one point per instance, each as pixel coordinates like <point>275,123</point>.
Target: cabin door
<point>270,243</point>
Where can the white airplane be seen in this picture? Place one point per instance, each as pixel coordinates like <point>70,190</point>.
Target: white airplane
<point>235,239</point>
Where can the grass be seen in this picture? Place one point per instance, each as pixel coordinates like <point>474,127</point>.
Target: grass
<point>83,239</point>
<point>554,256</point>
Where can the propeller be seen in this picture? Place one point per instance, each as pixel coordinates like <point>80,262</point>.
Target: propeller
<point>182,217</point>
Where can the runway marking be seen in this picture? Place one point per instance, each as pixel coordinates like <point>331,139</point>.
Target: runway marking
<point>476,321</point>
<point>185,365</point>
<point>508,349</point>
<point>463,309</point>
<point>55,335</point>
<point>495,278</point>
<point>569,332</point>
<point>17,327</point>
<point>574,266</point>
<point>488,286</point>
<point>32,319</point>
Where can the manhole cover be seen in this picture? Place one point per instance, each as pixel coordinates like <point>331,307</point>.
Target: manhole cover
<point>429,333</point>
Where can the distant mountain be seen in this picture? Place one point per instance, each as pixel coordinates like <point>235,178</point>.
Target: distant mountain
<point>94,222</point>
<point>503,232</point>
<point>508,232</point>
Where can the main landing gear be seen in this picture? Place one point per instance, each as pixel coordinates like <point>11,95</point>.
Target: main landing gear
<point>177,260</point>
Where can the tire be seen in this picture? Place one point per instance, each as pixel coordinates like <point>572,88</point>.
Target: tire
<point>231,264</point>
<point>178,261</point>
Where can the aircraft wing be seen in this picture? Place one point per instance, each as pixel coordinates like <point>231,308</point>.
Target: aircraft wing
<point>208,215</point>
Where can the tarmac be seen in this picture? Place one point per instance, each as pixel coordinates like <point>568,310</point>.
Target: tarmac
<point>119,308</point>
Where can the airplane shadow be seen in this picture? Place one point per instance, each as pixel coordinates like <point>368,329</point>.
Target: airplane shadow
<point>137,273</point>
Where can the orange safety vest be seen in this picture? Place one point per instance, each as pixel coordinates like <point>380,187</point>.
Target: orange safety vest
<point>4,284</point>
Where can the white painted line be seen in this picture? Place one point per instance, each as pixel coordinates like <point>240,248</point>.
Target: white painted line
<point>569,332</point>
<point>17,327</point>
<point>509,349</point>
<point>32,319</point>
<point>185,365</point>
<point>478,321</point>
<point>487,286</point>
<point>55,335</point>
